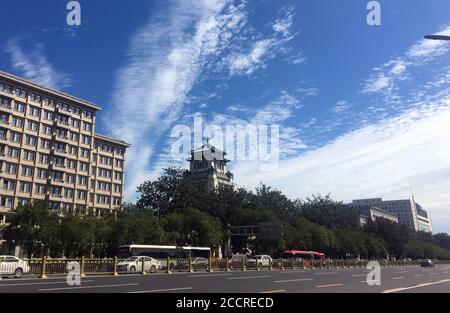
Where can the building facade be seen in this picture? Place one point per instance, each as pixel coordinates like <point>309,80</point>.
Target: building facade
<point>49,151</point>
<point>373,214</point>
<point>208,167</point>
<point>409,212</point>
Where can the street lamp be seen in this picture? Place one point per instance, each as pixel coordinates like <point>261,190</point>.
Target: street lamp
<point>437,37</point>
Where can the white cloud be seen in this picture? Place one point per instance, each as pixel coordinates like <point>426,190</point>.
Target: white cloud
<point>341,106</point>
<point>248,63</point>
<point>426,50</point>
<point>165,60</point>
<point>34,66</point>
<point>309,92</point>
<point>384,159</point>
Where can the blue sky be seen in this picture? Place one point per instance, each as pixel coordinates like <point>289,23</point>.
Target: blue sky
<point>363,110</point>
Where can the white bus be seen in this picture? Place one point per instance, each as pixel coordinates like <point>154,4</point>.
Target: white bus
<point>162,252</point>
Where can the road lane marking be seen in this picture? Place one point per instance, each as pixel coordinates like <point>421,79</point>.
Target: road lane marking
<point>274,291</point>
<point>163,290</point>
<point>88,287</point>
<point>398,278</point>
<point>328,286</point>
<point>293,280</point>
<point>401,272</point>
<point>434,273</point>
<point>208,275</point>
<point>327,273</point>
<point>248,277</point>
<point>417,286</point>
<point>359,275</point>
<point>418,275</point>
<point>42,283</point>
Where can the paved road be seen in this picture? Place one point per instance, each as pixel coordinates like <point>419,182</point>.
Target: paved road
<point>393,280</point>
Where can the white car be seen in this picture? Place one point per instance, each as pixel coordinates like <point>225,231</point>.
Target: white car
<point>134,265</point>
<point>263,261</point>
<point>10,265</point>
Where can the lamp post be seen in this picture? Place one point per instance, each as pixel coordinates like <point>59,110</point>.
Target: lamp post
<point>437,37</point>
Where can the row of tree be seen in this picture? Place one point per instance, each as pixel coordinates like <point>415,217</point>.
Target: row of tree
<point>171,210</point>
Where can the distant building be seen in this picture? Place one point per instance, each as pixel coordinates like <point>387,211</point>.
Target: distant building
<point>208,166</point>
<point>373,214</point>
<point>409,212</point>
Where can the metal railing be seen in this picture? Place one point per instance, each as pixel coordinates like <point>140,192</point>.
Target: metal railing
<point>46,267</point>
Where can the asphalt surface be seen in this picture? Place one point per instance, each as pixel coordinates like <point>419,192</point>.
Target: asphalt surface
<point>348,280</point>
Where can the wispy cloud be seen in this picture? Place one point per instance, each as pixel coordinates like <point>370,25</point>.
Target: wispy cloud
<point>341,106</point>
<point>165,60</point>
<point>247,62</point>
<point>35,66</point>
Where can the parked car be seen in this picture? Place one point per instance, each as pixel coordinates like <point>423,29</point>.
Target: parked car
<point>261,260</point>
<point>134,264</point>
<point>10,265</point>
<point>236,259</point>
<point>427,263</point>
<point>197,263</point>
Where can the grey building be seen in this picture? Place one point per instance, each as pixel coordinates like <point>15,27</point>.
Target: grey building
<point>409,212</point>
<point>372,213</point>
<point>208,166</point>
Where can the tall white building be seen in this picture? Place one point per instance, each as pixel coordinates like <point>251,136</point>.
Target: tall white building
<point>409,212</point>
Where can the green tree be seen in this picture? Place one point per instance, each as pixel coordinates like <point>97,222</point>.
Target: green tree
<point>34,227</point>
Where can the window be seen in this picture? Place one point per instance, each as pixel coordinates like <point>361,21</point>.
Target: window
<point>70,179</point>
<point>33,126</point>
<point>68,193</point>
<point>21,93</point>
<point>49,102</point>
<point>5,88</point>
<point>71,164</point>
<point>36,98</point>
<point>7,202</point>
<point>41,189</point>
<point>75,123</point>
<point>82,180</point>
<point>19,107</point>
<point>25,187</point>
<point>117,175</point>
<point>86,140</point>
<point>36,112</point>
<point>9,185</point>
<point>76,110</point>
<point>45,144</point>
<point>81,195</point>
<point>74,137</point>
<point>84,153</point>
<point>30,140</point>
<point>17,122</point>
<point>27,171</point>
<point>47,130</point>
<point>5,103</point>
<point>43,158</point>
<point>72,150</point>
<point>119,163</point>
<point>3,133</point>
<point>48,115</point>
<point>4,118</point>
<point>87,127</point>
<point>83,167</point>
<point>13,153</point>
<point>117,188</point>
<point>11,168</point>
<point>87,114</point>
<point>29,156</point>
<point>42,174</point>
<point>15,137</point>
